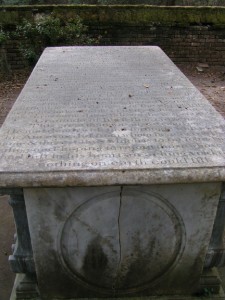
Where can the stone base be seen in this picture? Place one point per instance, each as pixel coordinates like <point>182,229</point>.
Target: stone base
<point>25,288</point>
<point>210,283</point>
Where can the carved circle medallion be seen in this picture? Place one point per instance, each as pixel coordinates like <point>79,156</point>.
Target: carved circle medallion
<point>122,242</point>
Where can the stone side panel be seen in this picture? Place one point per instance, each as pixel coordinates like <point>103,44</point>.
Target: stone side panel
<point>120,241</point>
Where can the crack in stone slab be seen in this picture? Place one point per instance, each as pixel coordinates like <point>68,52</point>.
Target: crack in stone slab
<point>114,286</point>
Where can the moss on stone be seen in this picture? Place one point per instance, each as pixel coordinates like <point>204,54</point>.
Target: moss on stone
<point>133,15</point>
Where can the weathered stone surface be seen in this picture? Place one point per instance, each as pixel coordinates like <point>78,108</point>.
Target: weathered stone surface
<point>110,115</point>
<point>114,241</point>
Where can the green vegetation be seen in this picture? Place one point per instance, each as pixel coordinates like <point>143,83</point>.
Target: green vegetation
<point>3,36</point>
<point>119,15</point>
<point>48,31</point>
<point>4,66</point>
<point>14,2</point>
<point>208,293</point>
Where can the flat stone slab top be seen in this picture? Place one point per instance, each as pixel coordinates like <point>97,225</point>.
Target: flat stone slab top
<point>110,116</point>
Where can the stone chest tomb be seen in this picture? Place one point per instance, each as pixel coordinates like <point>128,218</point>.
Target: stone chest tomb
<point>115,166</point>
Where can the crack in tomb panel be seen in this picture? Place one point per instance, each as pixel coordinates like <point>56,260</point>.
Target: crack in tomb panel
<point>116,282</point>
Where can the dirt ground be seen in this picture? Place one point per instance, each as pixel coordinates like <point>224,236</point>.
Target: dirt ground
<point>209,80</point>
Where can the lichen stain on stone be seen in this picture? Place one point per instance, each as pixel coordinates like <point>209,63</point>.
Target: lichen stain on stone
<point>95,263</point>
<point>135,269</point>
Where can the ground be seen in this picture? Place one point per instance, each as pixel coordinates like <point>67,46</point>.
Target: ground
<point>209,80</point>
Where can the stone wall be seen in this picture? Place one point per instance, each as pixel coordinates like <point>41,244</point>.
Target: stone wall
<point>182,44</point>
<point>186,34</point>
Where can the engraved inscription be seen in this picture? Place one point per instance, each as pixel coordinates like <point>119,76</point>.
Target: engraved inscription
<point>108,111</point>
